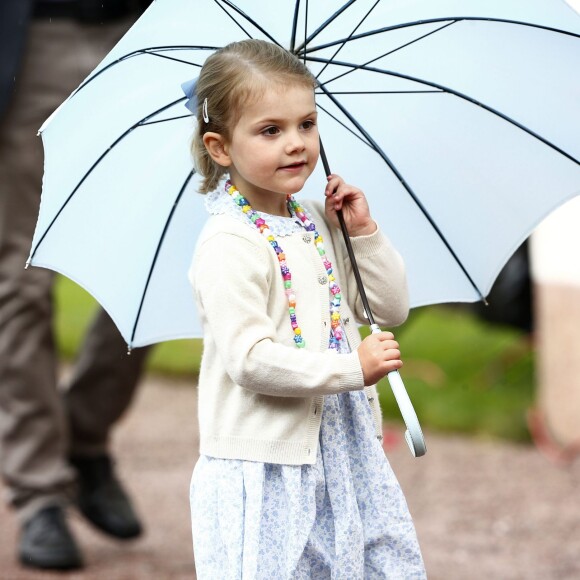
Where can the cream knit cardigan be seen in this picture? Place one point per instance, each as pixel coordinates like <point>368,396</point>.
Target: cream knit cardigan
<point>261,397</point>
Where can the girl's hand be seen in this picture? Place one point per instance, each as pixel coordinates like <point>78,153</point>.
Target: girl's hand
<point>353,203</point>
<point>379,355</point>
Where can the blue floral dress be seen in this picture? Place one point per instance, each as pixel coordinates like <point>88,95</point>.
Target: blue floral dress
<point>345,517</point>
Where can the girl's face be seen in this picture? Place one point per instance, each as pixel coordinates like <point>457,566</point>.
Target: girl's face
<point>274,147</point>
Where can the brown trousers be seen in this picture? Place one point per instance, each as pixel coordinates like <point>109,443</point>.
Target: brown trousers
<point>39,427</point>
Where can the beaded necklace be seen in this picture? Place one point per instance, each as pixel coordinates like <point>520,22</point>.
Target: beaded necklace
<point>336,332</point>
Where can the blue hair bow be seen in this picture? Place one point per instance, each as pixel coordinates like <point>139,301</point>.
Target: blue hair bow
<point>190,90</point>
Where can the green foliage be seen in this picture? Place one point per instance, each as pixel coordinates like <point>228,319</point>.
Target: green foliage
<point>75,310</point>
<point>463,375</point>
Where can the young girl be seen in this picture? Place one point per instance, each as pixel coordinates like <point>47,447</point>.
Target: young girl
<point>292,481</point>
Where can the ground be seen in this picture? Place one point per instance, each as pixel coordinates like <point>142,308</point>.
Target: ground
<point>483,509</point>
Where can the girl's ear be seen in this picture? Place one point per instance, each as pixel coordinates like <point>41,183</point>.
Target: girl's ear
<point>216,147</point>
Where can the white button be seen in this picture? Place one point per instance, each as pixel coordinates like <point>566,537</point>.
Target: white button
<point>322,280</point>
<point>307,239</point>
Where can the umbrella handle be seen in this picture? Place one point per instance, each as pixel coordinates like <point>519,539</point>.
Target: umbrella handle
<point>413,434</point>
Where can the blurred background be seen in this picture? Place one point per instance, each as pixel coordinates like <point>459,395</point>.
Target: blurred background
<point>497,390</point>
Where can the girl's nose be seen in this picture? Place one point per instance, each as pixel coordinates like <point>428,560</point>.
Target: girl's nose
<point>294,143</point>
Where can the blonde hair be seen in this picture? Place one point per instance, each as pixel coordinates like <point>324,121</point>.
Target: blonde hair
<point>228,79</point>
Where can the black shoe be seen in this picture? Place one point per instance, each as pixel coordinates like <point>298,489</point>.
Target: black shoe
<point>47,542</point>
<point>102,500</point>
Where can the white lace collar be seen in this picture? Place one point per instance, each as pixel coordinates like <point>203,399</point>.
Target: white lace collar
<point>219,202</point>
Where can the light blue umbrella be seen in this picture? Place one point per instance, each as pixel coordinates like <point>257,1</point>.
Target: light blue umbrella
<point>459,120</point>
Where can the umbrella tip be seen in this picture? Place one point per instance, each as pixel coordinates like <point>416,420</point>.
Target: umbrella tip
<point>27,264</point>
<point>129,350</point>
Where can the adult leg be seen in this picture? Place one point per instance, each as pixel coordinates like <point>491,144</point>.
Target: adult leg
<point>60,53</point>
<point>32,427</point>
<point>33,430</point>
<point>104,378</point>
<point>33,438</point>
<point>102,386</point>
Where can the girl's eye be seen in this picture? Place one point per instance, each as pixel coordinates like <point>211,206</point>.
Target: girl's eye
<point>308,125</point>
<point>270,131</point>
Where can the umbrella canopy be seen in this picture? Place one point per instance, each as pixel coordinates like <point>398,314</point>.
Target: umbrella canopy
<point>459,120</point>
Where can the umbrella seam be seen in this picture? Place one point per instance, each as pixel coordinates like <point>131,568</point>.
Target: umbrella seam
<point>407,187</point>
<point>157,251</point>
<point>454,93</point>
<point>85,176</point>
<point>386,53</point>
<point>443,19</point>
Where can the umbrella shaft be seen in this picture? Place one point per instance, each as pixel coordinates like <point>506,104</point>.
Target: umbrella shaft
<point>357,276</point>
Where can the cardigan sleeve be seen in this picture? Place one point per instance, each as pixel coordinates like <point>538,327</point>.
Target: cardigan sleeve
<point>382,271</point>
<point>383,274</point>
<point>231,280</point>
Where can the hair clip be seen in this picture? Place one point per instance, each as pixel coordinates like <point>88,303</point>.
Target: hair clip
<point>204,111</point>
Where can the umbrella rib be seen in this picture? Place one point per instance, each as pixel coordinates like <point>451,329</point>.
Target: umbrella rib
<point>305,31</point>
<point>159,55</point>
<point>369,145</point>
<point>94,165</point>
<point>165,120</point>
<point>157,251</point>
<point>325,24</point>
<point>385,54</point>
<point>149,51</point>
<point>244,15</point>
<point>294,25</point>
<point>407,187</point>
<point>346,39</point>
<point>442,19</point>
<point>379,92</point>
<point>456,94</point>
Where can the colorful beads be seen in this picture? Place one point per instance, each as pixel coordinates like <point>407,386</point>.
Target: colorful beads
<point>336,332</point>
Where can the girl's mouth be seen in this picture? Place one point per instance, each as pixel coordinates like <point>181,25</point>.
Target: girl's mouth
<point>294,166</point>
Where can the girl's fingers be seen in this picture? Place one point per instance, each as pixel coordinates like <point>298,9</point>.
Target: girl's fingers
<point>385,335</point>
<point>392,354</point>
<point>352,202</point>
<point>394,365</point>
<point>344,193</point>
<point>334,183</point>
<point>379,354</point>
<point>338,190</point>
<point>390,346</point>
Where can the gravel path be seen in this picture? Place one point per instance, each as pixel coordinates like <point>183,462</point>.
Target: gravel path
<point>482,509</point>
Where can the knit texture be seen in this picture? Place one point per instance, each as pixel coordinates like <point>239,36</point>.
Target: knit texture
<point>259,396</point>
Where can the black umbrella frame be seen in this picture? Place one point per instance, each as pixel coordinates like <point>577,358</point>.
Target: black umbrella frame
<point>305,49</point>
